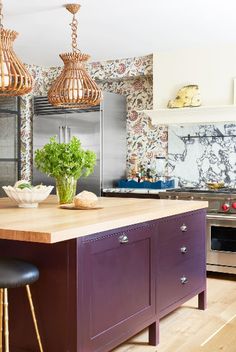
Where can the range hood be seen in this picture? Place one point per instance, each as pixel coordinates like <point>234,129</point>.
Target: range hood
<point>213,69</point>
<point>200,115</point>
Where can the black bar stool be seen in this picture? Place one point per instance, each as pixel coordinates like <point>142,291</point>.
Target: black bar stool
<point>15,273</point>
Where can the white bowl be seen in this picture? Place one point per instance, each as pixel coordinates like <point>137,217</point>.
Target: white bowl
<point>28,198</point>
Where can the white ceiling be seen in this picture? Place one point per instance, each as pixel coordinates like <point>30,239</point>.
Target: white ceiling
<point>111,29</point>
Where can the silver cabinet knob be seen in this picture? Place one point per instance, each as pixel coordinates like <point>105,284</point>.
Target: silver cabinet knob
<point>183,249</point>
<point>191,198</point>
<point>169,197</point>
<point>183,228</point>
<point>183,280</point>
<point>176,197</point>
<point>123,238</point>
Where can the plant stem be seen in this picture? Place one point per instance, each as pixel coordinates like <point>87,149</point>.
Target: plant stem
<point>66,189</point>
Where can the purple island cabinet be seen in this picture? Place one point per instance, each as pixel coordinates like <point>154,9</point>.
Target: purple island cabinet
<point>97,291</point>
<point>181,261</point>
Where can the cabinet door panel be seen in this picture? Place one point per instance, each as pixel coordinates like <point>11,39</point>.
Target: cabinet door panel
<point>119,284</point>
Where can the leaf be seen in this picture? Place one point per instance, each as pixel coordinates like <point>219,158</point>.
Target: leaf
<point>24,185</point>
<point>60,159</point>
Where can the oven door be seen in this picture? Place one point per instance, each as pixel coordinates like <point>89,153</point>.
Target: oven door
<point>221,243</point>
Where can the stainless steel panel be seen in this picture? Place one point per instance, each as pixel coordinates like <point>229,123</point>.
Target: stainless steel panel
<point>8,103</point>
<point>9,152</point>
<point>221,269</point>
<point>8,175</point>
<point>114,139</point>
<point>103,131</point>
<point>8,136</point>
<point>85,126</point>
<point>215,257</point>
<point>43,107</point>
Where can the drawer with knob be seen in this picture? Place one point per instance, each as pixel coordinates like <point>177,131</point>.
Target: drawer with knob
<point>184,227</point>
<point>179,281</point>
<point>179,250</point>
<point>180,259</point>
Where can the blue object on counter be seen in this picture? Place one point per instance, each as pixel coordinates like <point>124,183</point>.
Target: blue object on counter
<point>146,184</point>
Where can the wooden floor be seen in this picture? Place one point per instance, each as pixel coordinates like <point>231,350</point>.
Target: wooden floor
<point>190,330</point>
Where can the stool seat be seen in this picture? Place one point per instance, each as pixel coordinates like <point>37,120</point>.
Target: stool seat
<point>16,273</point>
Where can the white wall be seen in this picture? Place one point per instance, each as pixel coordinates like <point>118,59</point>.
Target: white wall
<point>213,69</point>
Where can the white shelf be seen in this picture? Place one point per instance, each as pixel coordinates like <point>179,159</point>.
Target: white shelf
<point>199,115</point>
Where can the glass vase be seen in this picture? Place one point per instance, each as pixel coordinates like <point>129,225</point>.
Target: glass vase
<point>66,189</point>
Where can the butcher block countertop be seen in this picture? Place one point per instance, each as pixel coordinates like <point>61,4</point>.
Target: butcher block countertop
<point>50,224</point>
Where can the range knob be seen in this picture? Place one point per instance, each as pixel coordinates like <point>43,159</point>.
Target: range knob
<point>234,205</point>
<point>225,207</point>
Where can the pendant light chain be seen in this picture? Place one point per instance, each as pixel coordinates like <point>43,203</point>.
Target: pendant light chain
<point>74,27</point>
<point>1,14</point>
<point>74,88</point>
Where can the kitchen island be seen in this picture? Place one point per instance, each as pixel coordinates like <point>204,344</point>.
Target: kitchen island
<point>105,274</point>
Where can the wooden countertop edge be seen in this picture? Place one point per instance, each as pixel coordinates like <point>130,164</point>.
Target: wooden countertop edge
<point>25,236</point>
<point>116,213</point>
<point>68,234</point>
<point>115,224</point>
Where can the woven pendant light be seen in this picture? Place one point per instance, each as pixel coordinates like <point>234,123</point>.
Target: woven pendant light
<point>14,78</point>
<point>74,88</point>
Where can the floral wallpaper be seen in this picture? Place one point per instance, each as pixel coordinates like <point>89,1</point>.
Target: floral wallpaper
<point>192,160</point>
<point>144,140</point>
<point>26,136</point>
<point>121,68</point>
<point>130,77</point>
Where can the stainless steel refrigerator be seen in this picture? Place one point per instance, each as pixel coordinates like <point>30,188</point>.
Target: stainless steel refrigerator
<point>9,141</point>
<point>101,129</point>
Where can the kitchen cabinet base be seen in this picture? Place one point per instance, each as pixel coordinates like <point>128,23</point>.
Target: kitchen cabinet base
<point>94,292</point>
<point>153,334</point>
<point>202,300</point>
<point>201,293</point>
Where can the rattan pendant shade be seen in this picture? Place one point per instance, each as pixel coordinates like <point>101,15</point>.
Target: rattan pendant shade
<point>74,88</point>
<point>14,78</point>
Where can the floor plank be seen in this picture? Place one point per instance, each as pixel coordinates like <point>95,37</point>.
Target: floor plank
<point>191,330</point>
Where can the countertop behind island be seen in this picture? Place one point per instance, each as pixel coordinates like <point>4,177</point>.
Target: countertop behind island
<point>50,224</point>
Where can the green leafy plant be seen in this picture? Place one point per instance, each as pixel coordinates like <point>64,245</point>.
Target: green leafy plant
<point>65,159</point>
<point>24,185</point>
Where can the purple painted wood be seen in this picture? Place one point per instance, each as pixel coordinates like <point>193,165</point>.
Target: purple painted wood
<point>119,286</point>
<point>54,296</point>
<point>181,273</point>
<point>178,303</point>
<point>153,334</point>
<point>94,292</point>
<point>120,301</point>
<point>202,300</point>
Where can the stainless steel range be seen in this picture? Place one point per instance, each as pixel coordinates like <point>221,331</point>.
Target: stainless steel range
<point>221,224</point>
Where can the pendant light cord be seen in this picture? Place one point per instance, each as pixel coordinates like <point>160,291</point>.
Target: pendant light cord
<point>74,27</point>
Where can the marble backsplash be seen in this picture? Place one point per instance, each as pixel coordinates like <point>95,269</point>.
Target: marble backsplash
<point>201,153</point>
